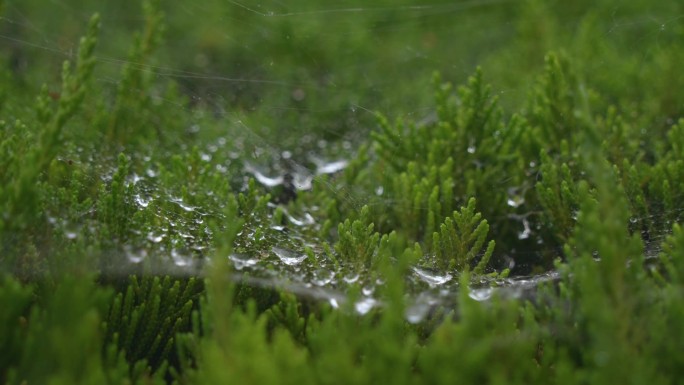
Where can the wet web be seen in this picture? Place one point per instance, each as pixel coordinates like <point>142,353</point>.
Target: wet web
<point>311,156</point>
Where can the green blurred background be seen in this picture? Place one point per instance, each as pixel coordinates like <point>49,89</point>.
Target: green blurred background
<point>308,67</point>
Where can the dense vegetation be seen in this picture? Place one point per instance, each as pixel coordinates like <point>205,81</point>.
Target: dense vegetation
<point>145,238</point>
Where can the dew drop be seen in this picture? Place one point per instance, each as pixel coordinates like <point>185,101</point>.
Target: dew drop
<point>333,303</point>
<point>322,277</point>
<point>526,230</point>
<point>417,312</point>
<point>240,261</point>
<point>302,181</point>
<point>181,258</point>
<point>515,198</point>
<point>331,167</point>
<point>142,202</point>
<point>155,238</point>
<point>288,257</point>
<point>481,294</point>
<point>71,230</point>
<point>307,220</point>
<point>263,179</point>
<point>432,278</point>
<point>351,278</point>
<point>135,255</point>
<point>365,305</point>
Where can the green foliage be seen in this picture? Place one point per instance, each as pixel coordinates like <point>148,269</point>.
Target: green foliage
<point>19,197</point>
<point>133,103</point>
<point>357,242</point>
<point>137,267</point>
<point>144,319</point>
<point>496,340</point>
<point>558,196</point>
<point>117,205</point>
<point>461,239</point>
<point>66,316</point>
<point>252,206</point>
<point>17,300</point>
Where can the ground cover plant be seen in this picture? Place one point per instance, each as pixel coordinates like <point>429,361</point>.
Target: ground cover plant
<point>466,192</point>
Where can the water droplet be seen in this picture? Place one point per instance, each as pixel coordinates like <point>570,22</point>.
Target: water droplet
<point>331,167</point>
<point>155,238</point>
<point>333,303</point>
<point>482,294</point>
<point>351,278</point>
<point>302,180</point>
<point>182,205</point>
<point>307,220</point>
<point>135,255</point>
<point>288,257</point>
<point>151,173</point>
<point>240,261</point>
<point>365,305</point>
<point>471,149</point>
<point>515,197</point>
<point>142,202</point>
<point>263,179</point>
<point>71,229</point>
<point>526,230</point>
<point>322,277</point>
<point>633,220</point>
<point>367,290</point>
<point>181,258</point>
<point>432,278</point>
<point>417,312</point>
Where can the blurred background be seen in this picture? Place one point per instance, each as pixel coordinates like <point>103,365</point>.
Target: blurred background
<point>288,70</point>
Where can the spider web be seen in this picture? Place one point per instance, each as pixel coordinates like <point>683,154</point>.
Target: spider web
<point>267,70</point>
